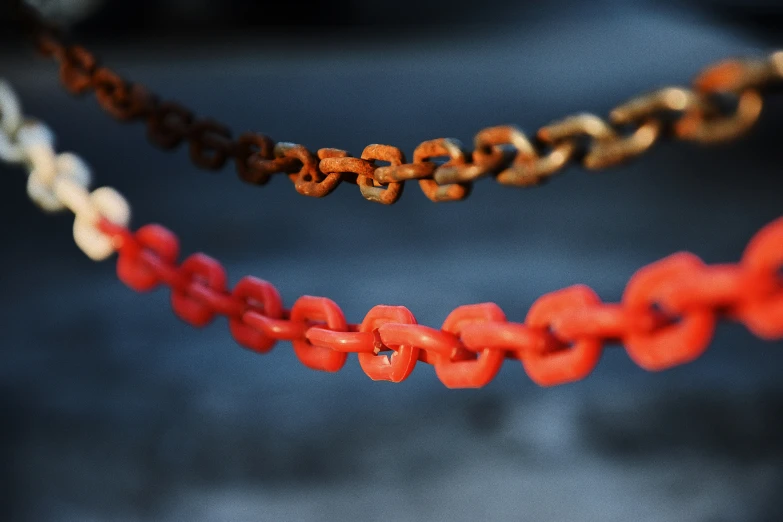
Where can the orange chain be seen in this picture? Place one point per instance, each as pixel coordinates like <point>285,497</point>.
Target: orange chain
<point>667,315</point>
<point>443,167</point>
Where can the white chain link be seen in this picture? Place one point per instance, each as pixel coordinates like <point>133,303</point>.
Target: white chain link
<point>58,181</point>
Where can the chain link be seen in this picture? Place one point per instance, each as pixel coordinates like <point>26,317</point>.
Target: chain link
<point>724,102</point>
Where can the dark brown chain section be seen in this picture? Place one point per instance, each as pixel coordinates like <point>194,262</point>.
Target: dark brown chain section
<point>723,103</point>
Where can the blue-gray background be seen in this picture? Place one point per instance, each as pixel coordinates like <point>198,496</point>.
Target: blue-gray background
<point>113,409</point>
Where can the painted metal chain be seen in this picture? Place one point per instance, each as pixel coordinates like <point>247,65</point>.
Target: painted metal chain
<point>724,101</point>
<point>667,315</point>
<point>58,181</point>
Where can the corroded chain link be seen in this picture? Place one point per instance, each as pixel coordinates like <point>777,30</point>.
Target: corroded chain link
<point>723,102</point>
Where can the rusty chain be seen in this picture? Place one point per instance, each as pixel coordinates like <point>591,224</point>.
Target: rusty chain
<point>724,101</point>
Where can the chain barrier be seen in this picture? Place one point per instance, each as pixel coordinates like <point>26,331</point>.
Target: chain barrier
<point>667,315</point>
<point>724,102</point>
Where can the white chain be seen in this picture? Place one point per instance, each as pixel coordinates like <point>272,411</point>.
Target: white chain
<point>58,181</point>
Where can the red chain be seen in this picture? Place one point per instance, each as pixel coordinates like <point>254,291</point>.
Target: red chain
<point>667,315</point>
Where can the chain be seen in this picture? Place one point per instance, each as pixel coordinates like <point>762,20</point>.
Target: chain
<point>666,318</point>
<point>723,102</point>
<point>58,181</point>
<point>667,315</point>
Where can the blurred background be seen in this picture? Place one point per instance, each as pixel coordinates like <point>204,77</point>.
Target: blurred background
<point>113,409</point>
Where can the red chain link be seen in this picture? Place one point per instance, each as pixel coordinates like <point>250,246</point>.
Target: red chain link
<point>667,315</point>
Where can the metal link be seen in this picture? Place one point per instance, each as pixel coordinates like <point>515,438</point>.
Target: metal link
<point>737,76</point>
<point>168,124</point>
<point>656,105</point>
<point>210,144</point>
<point>336,161</point>
<point>741,78</point>
<point>253,145</point>
<point>122,100</point>
<point>607,147</point>
<point>494,145</point>
<point>691,114</point>
<point>77,66</point>
<point>310,181</point>
<point>373,189</point>
<point>440,147</point>
<point>404,172</point>
<point>709,126</point>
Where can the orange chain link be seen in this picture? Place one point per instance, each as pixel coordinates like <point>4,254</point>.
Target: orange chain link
<point>667,315</point>
<point>443,167</point>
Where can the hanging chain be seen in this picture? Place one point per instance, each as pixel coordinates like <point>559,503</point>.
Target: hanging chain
<point>724,101</point>
<point>667,315</point>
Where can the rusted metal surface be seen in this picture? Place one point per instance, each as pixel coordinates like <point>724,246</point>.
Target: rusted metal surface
<point>724,101</point>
